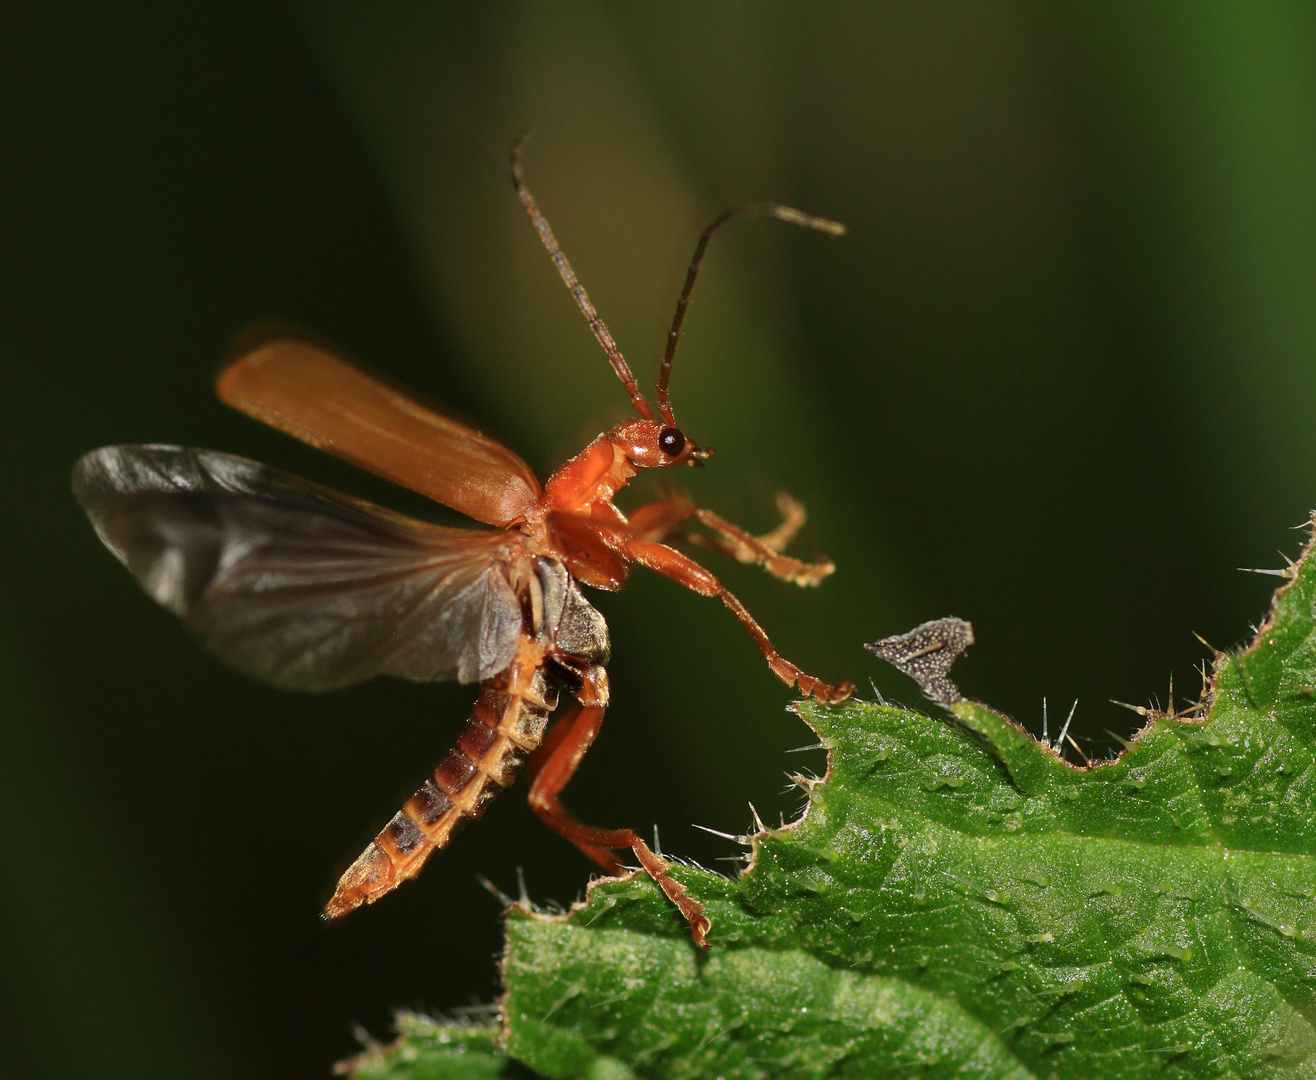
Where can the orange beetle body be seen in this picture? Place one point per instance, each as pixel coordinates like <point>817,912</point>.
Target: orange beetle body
<point>308,589</point>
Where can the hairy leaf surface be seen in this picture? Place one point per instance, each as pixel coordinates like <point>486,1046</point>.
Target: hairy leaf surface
<point>958,900</point>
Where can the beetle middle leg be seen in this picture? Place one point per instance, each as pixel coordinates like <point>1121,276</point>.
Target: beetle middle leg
<point>551,769</point>
<point>685,571</point>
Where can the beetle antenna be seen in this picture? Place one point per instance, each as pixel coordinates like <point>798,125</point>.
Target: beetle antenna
<point>774,210</point>
<point>596,324</point>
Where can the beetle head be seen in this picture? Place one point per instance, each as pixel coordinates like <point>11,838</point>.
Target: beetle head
<point>649,444</point>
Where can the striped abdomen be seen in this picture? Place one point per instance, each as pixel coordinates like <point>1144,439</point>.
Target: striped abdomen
<point>505,727</point>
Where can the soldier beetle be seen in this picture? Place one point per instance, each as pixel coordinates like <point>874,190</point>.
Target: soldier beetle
<point>306,588</point>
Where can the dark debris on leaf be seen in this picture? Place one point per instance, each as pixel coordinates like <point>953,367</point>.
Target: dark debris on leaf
<point>926,654</point>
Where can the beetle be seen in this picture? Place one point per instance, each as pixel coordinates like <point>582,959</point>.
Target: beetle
<point>308,589</point>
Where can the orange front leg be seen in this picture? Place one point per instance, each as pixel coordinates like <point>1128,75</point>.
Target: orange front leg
<point>551,769</point>
<point>685,571</point>
<point>766,550</point>
<point>653,521</point>
<point>793,518</point>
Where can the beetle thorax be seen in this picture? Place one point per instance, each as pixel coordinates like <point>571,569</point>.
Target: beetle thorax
<point>592,477</point>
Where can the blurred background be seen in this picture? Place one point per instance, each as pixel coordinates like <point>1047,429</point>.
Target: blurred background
<point>1060,380</point>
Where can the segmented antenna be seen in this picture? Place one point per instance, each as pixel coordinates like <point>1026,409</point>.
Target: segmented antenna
<point>596,324</point>
<point>775,210</point>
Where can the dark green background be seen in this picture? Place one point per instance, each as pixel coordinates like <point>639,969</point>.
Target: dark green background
<point>1060,380</point>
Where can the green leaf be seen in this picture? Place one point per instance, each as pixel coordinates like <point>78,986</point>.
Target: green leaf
<point>959,900</point>
<point>429,1049</point>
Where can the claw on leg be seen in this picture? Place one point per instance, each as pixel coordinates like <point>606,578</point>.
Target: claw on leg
<point>827,693</point>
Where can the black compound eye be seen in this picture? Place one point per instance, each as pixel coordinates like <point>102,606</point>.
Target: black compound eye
<point>671,441</point>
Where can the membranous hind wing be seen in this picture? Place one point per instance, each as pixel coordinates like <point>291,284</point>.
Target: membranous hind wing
<point>296,584</point>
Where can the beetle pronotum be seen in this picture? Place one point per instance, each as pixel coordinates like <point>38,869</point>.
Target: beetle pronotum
<point>309,589</point>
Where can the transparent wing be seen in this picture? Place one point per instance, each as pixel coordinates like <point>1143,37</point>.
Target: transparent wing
<point>296,584</point>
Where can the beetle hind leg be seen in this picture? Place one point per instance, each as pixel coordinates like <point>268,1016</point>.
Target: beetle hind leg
<point>552,768</point>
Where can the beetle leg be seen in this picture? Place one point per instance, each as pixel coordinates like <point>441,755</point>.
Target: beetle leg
<point>653,521</point>
<point>793,518</point>
<point>685,571</point>
<point>766,549</point>
<point>551,770</point>
<point>656,521</point>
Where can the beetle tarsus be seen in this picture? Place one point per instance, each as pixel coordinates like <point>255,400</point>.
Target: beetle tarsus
<point>766,550</point>
<point>691,909</point>
<point>827,693</point>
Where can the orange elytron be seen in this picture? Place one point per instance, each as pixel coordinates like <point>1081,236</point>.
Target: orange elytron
<point>309,589</point>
